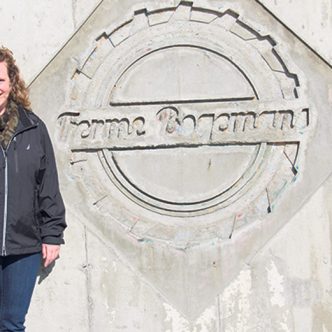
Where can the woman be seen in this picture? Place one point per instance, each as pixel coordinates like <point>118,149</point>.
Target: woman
<point>32,214</point>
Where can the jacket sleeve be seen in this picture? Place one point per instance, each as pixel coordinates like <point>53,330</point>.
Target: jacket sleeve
<point>51,207</point>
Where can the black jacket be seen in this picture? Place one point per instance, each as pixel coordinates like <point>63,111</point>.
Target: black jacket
<point>31,207</point>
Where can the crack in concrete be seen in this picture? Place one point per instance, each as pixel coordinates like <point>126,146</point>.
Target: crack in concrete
<point>86,269</point>
<point>219,315</point>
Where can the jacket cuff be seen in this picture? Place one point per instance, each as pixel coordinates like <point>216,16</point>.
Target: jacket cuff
<point>52,240</point>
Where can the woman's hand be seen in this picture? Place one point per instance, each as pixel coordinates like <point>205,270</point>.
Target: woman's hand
<point>50,253</point>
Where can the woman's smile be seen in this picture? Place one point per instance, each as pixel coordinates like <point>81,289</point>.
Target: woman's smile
<point>5,87</point>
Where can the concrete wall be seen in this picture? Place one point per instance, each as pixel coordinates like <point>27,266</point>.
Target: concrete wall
<point>37,31</point>
<point>118,271</point>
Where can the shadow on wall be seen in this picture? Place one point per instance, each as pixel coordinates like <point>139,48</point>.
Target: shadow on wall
<point>44,272</point>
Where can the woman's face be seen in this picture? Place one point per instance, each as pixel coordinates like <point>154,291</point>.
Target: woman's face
<point>5,86</point>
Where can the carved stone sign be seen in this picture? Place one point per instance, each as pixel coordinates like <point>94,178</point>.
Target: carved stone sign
<point>196,117</point>
<point>187,136</point>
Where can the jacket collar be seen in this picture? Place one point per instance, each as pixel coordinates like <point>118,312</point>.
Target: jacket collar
<point>24,120</point>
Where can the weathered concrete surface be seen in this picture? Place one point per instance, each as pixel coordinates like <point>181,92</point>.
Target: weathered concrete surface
<point>287,286</point>
<point>61,302</point>
<point>123,271</point>
<point>314,28</point>
<point>36,31</point>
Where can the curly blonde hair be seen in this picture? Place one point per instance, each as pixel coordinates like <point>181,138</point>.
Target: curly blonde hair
<point>19,92</point>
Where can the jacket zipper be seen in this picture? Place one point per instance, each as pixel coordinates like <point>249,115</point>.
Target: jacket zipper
<point>4,227</point>
<point>5,209</point>
<point>15,156</point>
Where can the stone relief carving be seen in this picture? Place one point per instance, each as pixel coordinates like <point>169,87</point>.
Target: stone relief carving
<point>174,126</point>
<point>193,116</point>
